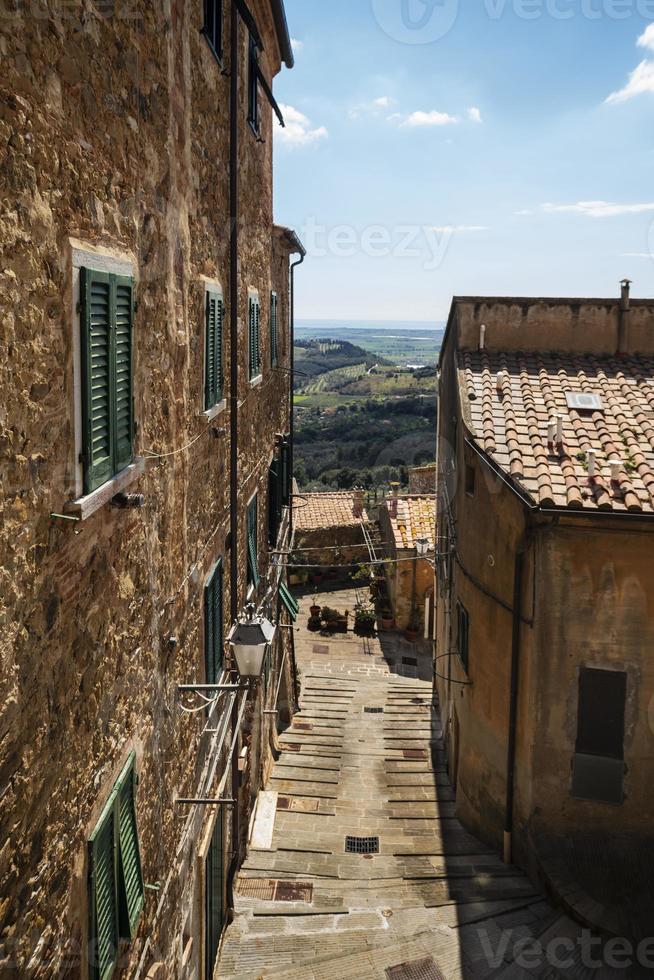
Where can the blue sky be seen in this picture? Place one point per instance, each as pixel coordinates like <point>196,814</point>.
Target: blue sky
<point>498,147</point>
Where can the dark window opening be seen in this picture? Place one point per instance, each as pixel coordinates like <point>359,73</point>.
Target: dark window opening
<point>470,480</point>
<point>213,26</point>
<point>599,751</point>
<point>253,86</point>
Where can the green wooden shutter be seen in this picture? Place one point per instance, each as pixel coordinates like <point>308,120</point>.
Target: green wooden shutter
<point>213,371</point>
<point>274,501</point>
<point>131,892</point>
<point>103,906</point>
<point>286,475</point>
<point>214,896</point>
<point>98,434</point>
<point>273,329</point>
<point>257,338</point>
<point>213,625</point>
<point>288,601</point>
<point>123,372</point>
<point>251,337</point>
<point>253,563</point>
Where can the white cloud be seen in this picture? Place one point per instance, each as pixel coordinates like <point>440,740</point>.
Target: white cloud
<point>296,45</point>
<point>524,212</point>
<point>384,102</point>
<point>646,40</point>
<point>298,131</point>
<point>432,118</point>
<point>638,255</point>
<point>458,229</point>
<point>597,209</point>
<point>641,82</point>
<point>474,114</point>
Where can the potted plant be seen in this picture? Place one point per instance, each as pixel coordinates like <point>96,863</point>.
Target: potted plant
<point>412,631</point>
<point>315,608</point>
<point>387,618</point>
<point>329,617</point>
<point>342,622</point>
<point>364,620</point>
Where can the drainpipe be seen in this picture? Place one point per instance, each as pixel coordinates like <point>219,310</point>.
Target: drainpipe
<point>514,696</point>
<point>233,418</point>
<point>291,426</point>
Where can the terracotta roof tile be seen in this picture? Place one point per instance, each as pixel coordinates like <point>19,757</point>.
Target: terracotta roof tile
<point>515,401</point>
<point>416,518</point>
<point>312,511</point>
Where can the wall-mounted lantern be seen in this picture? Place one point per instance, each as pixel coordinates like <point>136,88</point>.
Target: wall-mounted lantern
<point>249,639</point>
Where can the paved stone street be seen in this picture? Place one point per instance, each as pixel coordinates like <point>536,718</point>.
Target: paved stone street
<point>363,759</point>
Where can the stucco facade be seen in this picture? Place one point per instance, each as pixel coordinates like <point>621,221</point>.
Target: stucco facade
<point>115,156</point>
<point>538,598</point>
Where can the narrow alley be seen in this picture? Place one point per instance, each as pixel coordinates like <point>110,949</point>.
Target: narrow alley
<point>362,767</point>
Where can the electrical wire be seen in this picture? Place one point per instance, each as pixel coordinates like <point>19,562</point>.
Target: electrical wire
<point>175,452</point>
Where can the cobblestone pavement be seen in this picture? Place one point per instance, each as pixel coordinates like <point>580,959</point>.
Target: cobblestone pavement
<point>433,903</point>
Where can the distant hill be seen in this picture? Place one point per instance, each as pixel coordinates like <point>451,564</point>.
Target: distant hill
<point>322,355</point>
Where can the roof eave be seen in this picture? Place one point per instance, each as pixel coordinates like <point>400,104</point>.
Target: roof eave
<point>283,35</point>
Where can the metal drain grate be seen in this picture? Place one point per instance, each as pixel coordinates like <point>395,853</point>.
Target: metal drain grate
<point>415,753</point>
<point>260,888</point>
<point>298,804</point>
<point>373,711</point>
<point>362,845</point>
<point>415,970</point>
<point>302,727</point>
<point>293,891</point>
<point>320,648</point>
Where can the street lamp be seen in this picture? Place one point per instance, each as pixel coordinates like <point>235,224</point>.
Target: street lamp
<point>422,547</point>
<point>249,640</point>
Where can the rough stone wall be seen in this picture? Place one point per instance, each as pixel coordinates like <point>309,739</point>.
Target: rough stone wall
<point>114,131</point>
<point>332,546</point>
<point>422,479</point>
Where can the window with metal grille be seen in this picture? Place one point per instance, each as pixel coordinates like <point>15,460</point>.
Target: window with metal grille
<point>213,26</point>
<point>361,845</point>
<point>254,337</point>
<point>253,86</point>
<point>116,893</point>
<point>463,635</point>
<point>252,543</point>
<point>107,315</point>
<point>213,356</point>
<point>213,625</point>
<point>598,768</point>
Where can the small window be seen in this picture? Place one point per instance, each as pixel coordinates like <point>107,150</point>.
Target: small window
<point>254,337</point>
<point>107,317</point>
<point>274,352</point>
<point>213,625</point>
<point>213,26</point>
<point>463,635</point>
<point>116,893</point>
<point>471,476</point>
<point>213,354</point>
<point>252,543</point>
<point>253,86</point>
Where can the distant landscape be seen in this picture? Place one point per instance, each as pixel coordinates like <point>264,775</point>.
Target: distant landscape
<point>365,402</point>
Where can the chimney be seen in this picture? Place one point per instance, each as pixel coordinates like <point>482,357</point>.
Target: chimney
<point>357,502</point>
<point>482,337</point>
<point>392,503</point>
<point>625,317</point>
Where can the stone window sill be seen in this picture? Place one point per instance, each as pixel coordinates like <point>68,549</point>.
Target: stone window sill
<point>255,382</point>
<point>85,507</point>
<point>214,412</point>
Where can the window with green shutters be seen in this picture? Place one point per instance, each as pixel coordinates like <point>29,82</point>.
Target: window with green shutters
<point>252,543</point>
<point>274,501</point>
<point>274,351</point>
<point>107,319</point>
<point>213,355</point>
<point>213,625</point>
<point>463,624</point>
<point>254,337</point>
<point>286,474</point>
<point>116,893</point>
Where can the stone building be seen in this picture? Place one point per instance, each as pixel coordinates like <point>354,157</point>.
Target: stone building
<point>328,532</point>
<point>145,356</point>
<point>546,574</point>
<point>404,520</point>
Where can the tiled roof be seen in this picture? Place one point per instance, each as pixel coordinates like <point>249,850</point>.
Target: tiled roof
<point>416,518</point>
<point>512,398</point>
<point>312,511</point>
